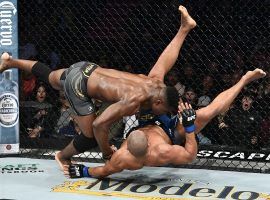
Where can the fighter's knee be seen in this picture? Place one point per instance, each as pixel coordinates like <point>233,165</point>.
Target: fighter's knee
<point>83,143</point>
<point>55,80</point>
<point>97,125</point>
<point>42,71</point>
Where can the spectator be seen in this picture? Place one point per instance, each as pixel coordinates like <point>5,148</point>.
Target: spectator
<point>225,81</point>
<point>213,67</point>
<point>239,64</point>
<point>259,59</point>
<point>265,87</point>
<point>203,101</point>
<point>208,87</point>
<point>71,129</point>
<point>54,60</point>
<point>65,113</point>
<point>189,77</point>
<point>191,97</point>
<point>27,49</point>
<point>203,137</point>
<point>172,80</point>
<point>28,85</point>
<point>263,106</point>
<point>243,123</point>
<point>264,139</point>
<point>235,77</point>
<point>37,114</point>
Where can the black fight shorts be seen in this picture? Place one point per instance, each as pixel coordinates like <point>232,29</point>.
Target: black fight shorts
<point>74,81</point>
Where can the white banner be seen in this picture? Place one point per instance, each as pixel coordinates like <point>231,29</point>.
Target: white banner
<point>9,104</point>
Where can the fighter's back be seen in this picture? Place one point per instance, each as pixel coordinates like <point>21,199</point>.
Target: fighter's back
<point>156,139</point>
<point>111,85</point>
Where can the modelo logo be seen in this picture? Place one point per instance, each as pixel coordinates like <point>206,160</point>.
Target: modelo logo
<point>9,110</point>
<point>7,11</point>
<point>181,190</point>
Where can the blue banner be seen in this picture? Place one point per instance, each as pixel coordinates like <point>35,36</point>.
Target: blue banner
<point>9,104</point>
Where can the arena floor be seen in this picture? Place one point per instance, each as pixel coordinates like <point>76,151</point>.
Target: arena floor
<point>25,179</point>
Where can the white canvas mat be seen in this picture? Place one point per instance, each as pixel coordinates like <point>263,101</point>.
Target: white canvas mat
<point>26,179</point>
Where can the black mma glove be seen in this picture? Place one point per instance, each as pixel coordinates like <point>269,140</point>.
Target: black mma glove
<point>188,118</point>
<point>78,171</point>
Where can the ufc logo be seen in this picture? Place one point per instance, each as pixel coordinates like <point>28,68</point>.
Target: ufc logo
<point>191,118</point>
<point>157,123</point>
<point>77,170</point>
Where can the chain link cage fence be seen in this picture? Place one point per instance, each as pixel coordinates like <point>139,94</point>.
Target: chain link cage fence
<point>231,38</point>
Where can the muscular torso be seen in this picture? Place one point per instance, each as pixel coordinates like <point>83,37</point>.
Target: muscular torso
<point>156,136</point>
<point>112,86</point>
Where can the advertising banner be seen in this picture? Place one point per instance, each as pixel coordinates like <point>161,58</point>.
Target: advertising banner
<point>9,104</point>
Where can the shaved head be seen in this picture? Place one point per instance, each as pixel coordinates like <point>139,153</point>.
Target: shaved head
<point>137,143</point>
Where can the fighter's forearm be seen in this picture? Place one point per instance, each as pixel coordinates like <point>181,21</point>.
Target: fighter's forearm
<point>102,138</point>
<point>103,142</point>
<point>191,144</point>
<point>99,172</point>
<point>112,114</point>
<point>116,164</point>
<point>80,171</point>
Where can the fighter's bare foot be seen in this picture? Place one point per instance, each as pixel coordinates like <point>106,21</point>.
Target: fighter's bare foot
<point>4,58</point>
<point>254,75</point>
<point>187,22</point>
<point>61,161</point>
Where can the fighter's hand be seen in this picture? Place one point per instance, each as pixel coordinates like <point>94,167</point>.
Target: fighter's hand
<point>114,148</point>
<point>108,156</point>
<point>188,116</point>
<point>76,171</point>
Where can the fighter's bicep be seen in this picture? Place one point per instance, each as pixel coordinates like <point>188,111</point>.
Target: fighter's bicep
<point>180,155</point>
<point>116,163</point>
<point>174,154</point>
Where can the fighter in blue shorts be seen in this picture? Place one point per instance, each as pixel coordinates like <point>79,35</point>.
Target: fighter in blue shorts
<point>149,144</point>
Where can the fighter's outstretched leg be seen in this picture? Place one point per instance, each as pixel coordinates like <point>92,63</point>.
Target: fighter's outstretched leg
<point>40,70</point>
<point>170,54</point>
<point>8,62</point>
<point>187,22</point>
<point>222,102</point>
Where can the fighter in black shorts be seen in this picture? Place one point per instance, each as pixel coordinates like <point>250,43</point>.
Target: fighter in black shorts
<point>153,143</point>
